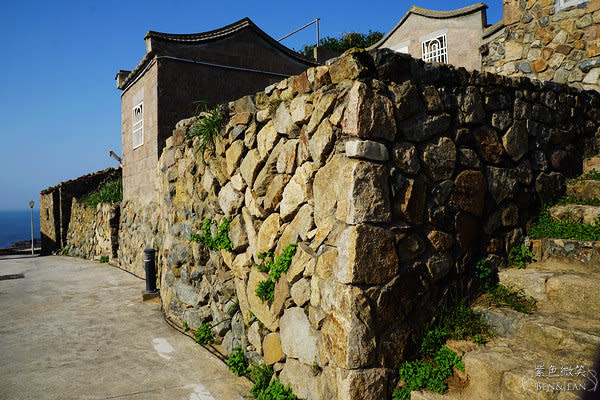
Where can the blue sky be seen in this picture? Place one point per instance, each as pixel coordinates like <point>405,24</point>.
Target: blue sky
<point>59,105</point>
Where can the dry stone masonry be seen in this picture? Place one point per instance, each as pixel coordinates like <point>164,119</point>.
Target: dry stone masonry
<point>541,40</point>
<point>393,177</point>
<point>93,233</point>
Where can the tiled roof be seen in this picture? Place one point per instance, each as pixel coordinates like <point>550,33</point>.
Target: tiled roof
<point>81,178</point>
<point>205,37</point>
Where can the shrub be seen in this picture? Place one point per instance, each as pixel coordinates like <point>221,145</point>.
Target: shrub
<point>109,192</point>
<point>345,42</point>
<point>237,362</point>
<point>508,296</point>
<point>276,391</point>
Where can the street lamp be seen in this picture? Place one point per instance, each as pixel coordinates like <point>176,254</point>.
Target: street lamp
<point>31,203</point>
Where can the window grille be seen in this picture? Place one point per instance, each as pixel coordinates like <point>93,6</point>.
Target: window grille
<point>137,124</point>
<point>435,50</point>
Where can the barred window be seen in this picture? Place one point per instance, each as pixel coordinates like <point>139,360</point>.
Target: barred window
<point>435,50</point>
<point>137,124</point>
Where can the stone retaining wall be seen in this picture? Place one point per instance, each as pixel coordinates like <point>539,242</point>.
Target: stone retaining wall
<point>393,176</point>
<point>93,233</point>
<point>543,42</point>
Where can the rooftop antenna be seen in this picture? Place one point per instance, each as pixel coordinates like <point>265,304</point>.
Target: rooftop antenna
<point>314,21</point>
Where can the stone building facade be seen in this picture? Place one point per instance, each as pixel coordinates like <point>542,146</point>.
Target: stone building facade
<point>549,40</point>
<point>452,37</point>
<point>181,69</point>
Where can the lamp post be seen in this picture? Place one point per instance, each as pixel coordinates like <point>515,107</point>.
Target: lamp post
<point>31,203</point>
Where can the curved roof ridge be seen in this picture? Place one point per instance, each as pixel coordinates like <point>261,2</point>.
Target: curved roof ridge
<point>201,36</point>
<point>490,30</point>
<point>431,14</point>
<point>224,31</point>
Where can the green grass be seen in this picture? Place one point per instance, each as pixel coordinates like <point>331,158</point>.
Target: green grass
<point>592,175</point>
<point>577,200</point>
<point>103,259</point>
<point>265,388</point>
<point>185,326</point>
<point>208,128</point>
<point>110,192</point>
<point>509,296</point>
<point>548,227</point>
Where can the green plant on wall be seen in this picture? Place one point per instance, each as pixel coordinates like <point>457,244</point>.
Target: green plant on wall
<point>275,268</point>
<point>221,238</point>
<point>103,259</point>
<point>109,192</point>
<point>520,256</point>
<point>237,362</point>
<point>205,334</point>
<point>208,127</point>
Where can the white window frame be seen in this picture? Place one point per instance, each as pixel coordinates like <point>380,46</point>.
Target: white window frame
<point>562,4</point>
<point>137,126</point>
<point>435,49</point>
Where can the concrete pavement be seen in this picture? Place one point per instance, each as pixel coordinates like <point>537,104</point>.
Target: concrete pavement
<point>77,329</point>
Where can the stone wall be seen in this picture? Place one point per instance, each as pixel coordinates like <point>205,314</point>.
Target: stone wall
<point>56,204</point>
<point>394,177</point>
<point>543,42</point>
<point>138,230</point>
<point>93,233</point>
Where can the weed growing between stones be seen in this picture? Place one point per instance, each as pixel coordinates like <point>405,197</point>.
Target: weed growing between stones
<point>434,361</point>
<point>592,175</point>
<point>217,242</point>
<point>205,334</point>
<point>578,200</point>
<point>500,295</point>
<point>429,374</point>
<point>185,326</point>
<point>103,259</point>
<point>237,362</point>
<point>207,129</point>
<point>64,251</point>
<point>520,256</point>
<point>548,227</point>
<point>266,289</point>
<point>110,192</point>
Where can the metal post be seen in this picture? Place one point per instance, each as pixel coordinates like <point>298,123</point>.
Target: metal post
<point>31,203</point>
<point>318,32</point>
<point>149,266</point>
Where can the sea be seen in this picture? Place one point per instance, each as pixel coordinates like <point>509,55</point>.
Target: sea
<point>15,225</point>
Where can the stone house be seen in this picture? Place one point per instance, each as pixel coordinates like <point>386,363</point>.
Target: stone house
<point>450,37</point>
<point>177,71</point>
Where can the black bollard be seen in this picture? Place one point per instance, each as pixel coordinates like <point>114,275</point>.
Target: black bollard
<point>150,268</point>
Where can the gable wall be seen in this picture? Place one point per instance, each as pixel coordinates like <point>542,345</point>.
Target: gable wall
<point>464,37</point>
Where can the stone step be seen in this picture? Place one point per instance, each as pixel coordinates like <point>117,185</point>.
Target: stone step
<point>566,290</point>
<point>576,213</point>
<point>584,189</point>
<point>567,251</point>
<point>590,164</point>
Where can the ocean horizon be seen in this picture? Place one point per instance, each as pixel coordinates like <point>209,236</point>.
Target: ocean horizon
<point>15,225</point>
